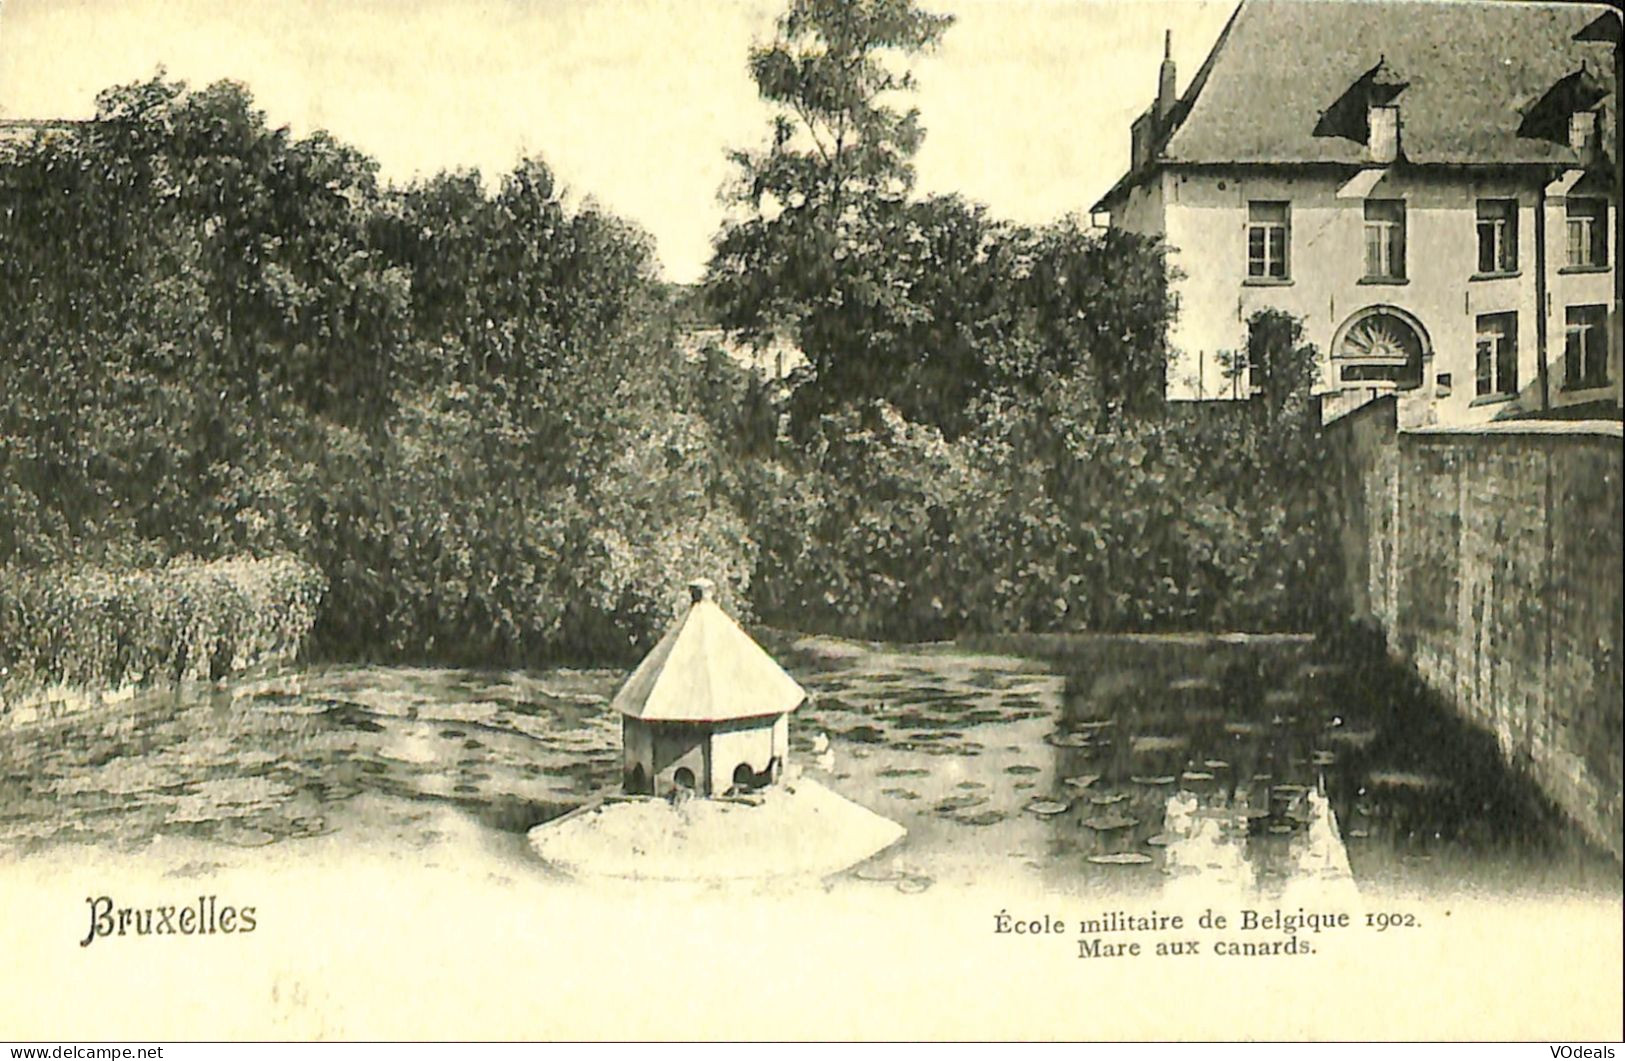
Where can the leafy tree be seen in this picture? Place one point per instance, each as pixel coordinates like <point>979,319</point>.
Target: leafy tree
<point>1284,366</point>
<point>808,255</point>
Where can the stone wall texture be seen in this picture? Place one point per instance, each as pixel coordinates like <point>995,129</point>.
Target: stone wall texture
<point>1491,559</point>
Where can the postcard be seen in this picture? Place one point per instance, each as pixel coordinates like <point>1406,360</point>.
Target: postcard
<point>829,520</point>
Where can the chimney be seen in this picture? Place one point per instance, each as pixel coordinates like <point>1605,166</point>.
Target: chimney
<point>1142,135</point>
<point>1165,81</point>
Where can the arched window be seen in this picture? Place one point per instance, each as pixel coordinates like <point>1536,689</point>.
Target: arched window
<point>1380,346</point>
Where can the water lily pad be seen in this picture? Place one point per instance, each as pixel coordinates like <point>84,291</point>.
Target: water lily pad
<point>1069,740</point>
<point>1047,808</point>
<point>1107,799</point>
<point>865,734</point>
<point>1403,779</point>
<point>1158,779</point>
<point>1196,775</point>
<point>1156,742</point>
<point>957,803</point>
<point>1351,738</point>
<point>1122,858</point>
<point>1160,840</point>
<point>1022,768</point>
<point>1215,764</point>
<point>1081,781</point>
<point>986,817</point>
<point>243,836</point>
<point>1105,823</point>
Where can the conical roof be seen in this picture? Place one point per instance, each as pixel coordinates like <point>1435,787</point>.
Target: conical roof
<point>707,669</point>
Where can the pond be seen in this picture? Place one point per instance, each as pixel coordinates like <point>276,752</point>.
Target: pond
<point>1113,763</point>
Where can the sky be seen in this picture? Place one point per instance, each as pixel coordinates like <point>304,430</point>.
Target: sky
<point>632,103</point>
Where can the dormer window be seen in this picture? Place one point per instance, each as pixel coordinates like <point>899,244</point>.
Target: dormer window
<point>1567,113</point>
<point>1383,125</point>
<point>1583,135</point>
<point>1368,113</point>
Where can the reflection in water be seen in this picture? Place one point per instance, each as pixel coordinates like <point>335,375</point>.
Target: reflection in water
<point>1146,765</point>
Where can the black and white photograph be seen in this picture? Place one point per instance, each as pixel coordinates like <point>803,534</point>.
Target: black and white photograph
<point>811,520</point>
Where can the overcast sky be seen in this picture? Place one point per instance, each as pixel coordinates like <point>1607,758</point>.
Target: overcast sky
<point>633,102</point>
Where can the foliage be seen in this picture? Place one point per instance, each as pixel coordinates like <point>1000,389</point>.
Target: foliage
<point>1043,518</point>
<point>460,403</point>
<point>466,407</point>
<point>93,628</point>
<point>822,205</point>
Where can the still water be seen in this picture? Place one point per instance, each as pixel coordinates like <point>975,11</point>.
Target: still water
<point>1113,763</point>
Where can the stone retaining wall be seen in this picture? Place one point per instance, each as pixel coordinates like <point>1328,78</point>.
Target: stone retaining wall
<point>1491,560</point>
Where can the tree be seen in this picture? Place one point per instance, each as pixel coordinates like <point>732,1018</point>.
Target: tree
<point>1284,366</point>
<point>807,255</point>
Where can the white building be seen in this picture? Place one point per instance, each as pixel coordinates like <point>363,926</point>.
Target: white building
<point>1429,185</point>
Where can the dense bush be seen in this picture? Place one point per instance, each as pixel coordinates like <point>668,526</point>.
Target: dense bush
<point>462,405</point>
<point>465,408</point>
<point>443,545</point>
<point>92,628</point>
<point>1046,518</point>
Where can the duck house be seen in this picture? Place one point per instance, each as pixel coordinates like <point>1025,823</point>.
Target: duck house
<point>708,710</point>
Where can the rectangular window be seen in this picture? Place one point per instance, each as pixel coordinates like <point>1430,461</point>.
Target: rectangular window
<point>1497,354</point>
<point>1585,348</point>
<point>1268,225</point>
<point>1385,239</point>
<point>1588,232</point>
<point>1497,236</point>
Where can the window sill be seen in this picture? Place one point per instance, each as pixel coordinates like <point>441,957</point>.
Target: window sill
<point>1587,391</point>
<point>1490,399</point>
<point>1267,281</point>
<point>1580,270</point>
<point>1513,275</point>
<point>1385,281</point>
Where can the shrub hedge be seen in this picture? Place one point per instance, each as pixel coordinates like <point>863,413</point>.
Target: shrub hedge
<point>101,629</point>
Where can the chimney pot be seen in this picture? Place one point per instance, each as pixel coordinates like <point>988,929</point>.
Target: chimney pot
<point>702,589</point>
<point>1166,97</point>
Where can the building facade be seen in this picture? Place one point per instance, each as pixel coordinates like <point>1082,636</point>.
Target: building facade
<point>1428,185</point>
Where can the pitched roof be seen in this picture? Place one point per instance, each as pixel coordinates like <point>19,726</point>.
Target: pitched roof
<point>1466,74</point>
<point>707,669</point>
